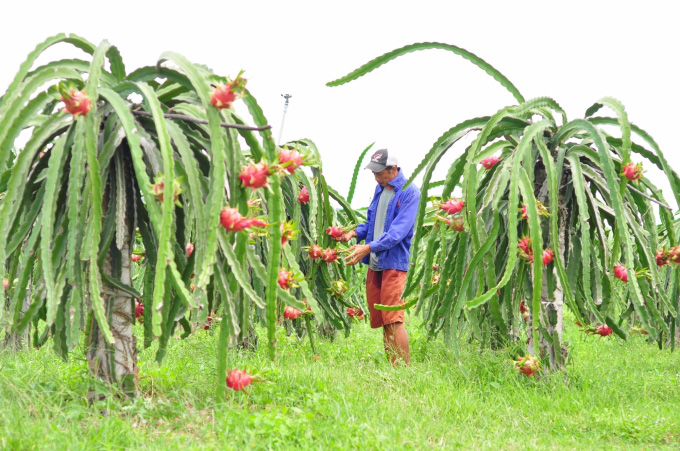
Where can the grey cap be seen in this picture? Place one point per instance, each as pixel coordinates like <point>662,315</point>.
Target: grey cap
<point>380,160</point>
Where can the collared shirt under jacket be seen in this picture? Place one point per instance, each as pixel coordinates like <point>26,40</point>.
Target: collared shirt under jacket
<point>392,247</point>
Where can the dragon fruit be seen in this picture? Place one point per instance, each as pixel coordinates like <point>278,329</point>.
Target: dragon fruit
<point>329,255</point>
<point>285,280</point>
<point>621,273</point>
<point>354,312</point>
<point>291,313</point>
<point>542,210</point>
<point>288,231</point>
<point>303,197</point>
<point>490,162</point>
<point>77,102</point>
<point>231,219</point>
<point>139,311</point>
<point>223,96</point>
<point>527,365</point>
<point>456,223</point>
<point>315,251</point>
<point>335,231</point>
<point>252,222</point>
<point>632,171</point>
<point>603,330</point>
<point>453,206</point>
<point>290,159</point>
<point>338,288</point>
<point>548,256</point>
<point>238,380</point>
<point>255,175</point>
<point>524,311</point>
<point>190,249</point>
<point>525,245</point>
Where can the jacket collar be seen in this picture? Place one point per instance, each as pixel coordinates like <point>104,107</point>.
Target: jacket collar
<point>398,181</point>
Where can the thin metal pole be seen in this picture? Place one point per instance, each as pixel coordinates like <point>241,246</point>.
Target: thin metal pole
<point>283,119</point>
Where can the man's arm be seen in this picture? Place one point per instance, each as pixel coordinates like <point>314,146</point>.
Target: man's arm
<point>360,232</point>
<point>359,251</point>
<point>346,236</point>
<point>362,229</point>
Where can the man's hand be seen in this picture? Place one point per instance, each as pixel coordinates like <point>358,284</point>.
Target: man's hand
<point>346,236</point>
<point>359,251</point>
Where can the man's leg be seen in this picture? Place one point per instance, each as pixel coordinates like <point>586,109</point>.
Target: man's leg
<point>395,336</point>
<point>373,286</point>
<point>396,343</point>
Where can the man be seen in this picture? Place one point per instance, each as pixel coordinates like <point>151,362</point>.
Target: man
<point>387,234</point>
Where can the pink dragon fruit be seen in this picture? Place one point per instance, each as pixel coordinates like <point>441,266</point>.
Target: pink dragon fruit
<point>291,159</point>
<point>335,231</point>
<point>548,256</point>
<point>621,273</point>
<point>632,171</point>
<point>303,197</point>
<point>231,219</point>
<point>662,257</point>
<point>285,280</point>
<point>456,223</point>
<point>329,255</point>
<point>354,312</point>
<point>291,313</point>
<point>525,245</point>
<point>603,330</point>
<point>490,162</point>
<point>77,102</point>
<point>255,175</point>
<point>238,380</point>
<point>453,206</point>
<point>223,96</point>
<point>139,311</point>
<point>315,251</point>
<point>527,365</point>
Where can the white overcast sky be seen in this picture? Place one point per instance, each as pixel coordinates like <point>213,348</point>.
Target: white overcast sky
<point>573,51</point>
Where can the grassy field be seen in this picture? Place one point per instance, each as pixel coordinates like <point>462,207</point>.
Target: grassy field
<point>615,395</point>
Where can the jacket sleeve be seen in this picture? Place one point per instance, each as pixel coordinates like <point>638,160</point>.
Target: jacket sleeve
<point>362,231</point>
<point>401,225</point>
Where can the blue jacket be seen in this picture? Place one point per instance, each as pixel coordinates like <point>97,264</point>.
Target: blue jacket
<point>392,248</point>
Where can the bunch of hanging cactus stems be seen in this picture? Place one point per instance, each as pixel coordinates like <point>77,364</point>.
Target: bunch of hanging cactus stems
<point>534,183</point>
<point>112,203</point>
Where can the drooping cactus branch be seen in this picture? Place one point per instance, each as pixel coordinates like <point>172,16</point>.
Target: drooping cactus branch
<point>184,117</point>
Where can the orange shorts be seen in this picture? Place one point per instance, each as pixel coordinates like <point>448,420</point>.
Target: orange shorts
<point>385,287</point>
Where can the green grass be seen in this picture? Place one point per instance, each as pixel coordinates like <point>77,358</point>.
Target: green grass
<point>614,395</point>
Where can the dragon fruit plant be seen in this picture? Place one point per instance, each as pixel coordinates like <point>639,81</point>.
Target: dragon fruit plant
<point>598,201</point>
<point>113,178</point>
